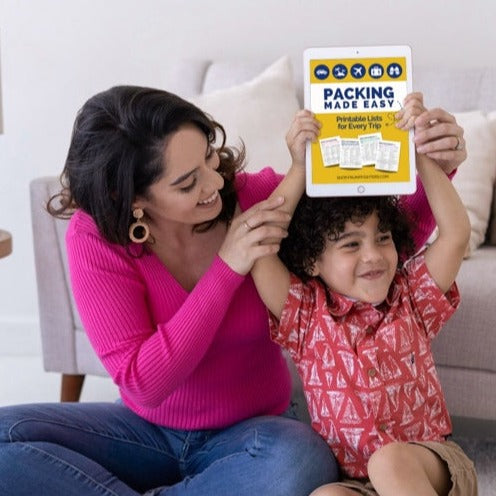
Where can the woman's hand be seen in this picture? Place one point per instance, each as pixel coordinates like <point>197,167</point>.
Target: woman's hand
<point>437,135</point>
<point>303,128</point>
<point>255,233</point>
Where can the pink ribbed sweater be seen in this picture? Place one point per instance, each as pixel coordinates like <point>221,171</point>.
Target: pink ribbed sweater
<point>188,360</point>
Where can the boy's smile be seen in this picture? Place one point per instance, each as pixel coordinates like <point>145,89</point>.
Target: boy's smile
<point>361,263</point>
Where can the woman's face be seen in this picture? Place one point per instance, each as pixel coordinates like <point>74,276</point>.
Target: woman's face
<point>188,191</point>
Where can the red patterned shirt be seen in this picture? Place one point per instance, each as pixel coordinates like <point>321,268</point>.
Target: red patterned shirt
<point>368,371</point>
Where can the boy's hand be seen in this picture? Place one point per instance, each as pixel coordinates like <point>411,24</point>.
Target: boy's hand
<point>437,134</point>
<point>413,106</point>
<point>303,128</point>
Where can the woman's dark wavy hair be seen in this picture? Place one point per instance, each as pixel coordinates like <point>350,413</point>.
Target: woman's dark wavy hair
<point>116,153</point>
<point>317,220</point>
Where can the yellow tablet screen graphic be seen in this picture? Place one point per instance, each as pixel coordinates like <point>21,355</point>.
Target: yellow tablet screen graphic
<point>356,98</point>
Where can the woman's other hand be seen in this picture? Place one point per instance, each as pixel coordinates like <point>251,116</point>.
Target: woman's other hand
<point>255,233</point>
<point>437,134</point>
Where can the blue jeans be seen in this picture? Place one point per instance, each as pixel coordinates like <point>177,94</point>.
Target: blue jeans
<point>105,449</point>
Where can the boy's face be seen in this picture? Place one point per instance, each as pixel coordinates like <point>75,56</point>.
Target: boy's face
<point>360,264</point>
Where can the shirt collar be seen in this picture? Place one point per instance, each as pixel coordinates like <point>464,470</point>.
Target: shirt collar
<point>340,305</point>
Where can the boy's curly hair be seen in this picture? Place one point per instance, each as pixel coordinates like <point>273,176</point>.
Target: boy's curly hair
<point>318,219</point>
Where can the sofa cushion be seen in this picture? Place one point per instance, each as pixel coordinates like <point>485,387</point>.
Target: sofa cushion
<point>491,235</point>
<point>259,112</point>
<point>476,177</point>
<point>466,344</point>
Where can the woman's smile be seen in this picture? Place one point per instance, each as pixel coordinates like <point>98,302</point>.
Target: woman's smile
<point>208,202</point>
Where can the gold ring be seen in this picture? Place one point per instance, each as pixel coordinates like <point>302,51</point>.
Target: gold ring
<point>459,145</point>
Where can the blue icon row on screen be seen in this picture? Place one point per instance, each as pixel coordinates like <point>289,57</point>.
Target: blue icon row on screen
<point>358,71</point>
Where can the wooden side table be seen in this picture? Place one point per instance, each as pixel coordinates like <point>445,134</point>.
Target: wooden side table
<point>5,243</point>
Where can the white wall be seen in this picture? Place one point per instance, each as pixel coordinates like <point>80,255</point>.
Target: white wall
<point>56,53</point>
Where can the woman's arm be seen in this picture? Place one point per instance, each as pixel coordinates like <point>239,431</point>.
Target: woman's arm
<point>148,356</point>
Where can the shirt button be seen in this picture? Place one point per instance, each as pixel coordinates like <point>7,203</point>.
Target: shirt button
<point>372,372</point>
<point>383,427</point>
<point>369,330</point>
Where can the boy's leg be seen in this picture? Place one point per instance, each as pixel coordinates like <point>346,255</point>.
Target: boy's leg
<point>422,468</point>
<point>401,469</point>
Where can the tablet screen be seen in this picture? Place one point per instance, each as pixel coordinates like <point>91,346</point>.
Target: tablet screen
<point>355,93</point>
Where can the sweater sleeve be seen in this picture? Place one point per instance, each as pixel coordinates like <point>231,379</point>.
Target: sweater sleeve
<point>147,361</point>
<point>254,188</point>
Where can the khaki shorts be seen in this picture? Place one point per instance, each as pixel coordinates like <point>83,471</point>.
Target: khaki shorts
<point>461,468</point>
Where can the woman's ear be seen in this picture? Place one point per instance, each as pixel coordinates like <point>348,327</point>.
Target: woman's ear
<point>137,203</point>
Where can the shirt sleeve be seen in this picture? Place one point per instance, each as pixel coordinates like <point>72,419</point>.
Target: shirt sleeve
<point>147,360</point>
<point>432,306</point>
<point>294,327</point>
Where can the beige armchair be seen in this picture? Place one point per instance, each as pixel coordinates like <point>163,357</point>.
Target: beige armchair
<point>65,346</point>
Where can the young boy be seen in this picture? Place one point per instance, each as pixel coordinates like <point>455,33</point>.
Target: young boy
<point>358,324</point>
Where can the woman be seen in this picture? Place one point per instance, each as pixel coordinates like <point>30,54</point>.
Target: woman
<point>159,249</point>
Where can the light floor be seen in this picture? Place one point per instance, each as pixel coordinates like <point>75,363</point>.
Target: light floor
<point>23,380</point>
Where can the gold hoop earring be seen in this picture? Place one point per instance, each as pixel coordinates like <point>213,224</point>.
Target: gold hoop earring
<point>139,232</point>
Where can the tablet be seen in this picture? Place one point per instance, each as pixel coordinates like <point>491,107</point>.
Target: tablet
<point>355,93</point>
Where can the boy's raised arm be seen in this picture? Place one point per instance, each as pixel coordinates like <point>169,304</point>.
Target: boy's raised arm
<point>444,257</point>
<point>269,273</point>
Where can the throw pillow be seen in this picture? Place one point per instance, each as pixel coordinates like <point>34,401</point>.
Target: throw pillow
<point>258,112</point>
<point>476,177</point>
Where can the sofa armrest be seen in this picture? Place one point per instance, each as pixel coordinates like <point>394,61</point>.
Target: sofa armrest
<point>56,317</point>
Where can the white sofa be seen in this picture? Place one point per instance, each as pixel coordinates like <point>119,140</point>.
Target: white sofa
<point>257,103</point>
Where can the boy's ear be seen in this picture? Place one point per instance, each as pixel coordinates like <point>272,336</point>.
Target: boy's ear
<point>315,269</point>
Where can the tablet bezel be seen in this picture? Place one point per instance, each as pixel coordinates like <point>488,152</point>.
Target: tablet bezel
<point>358,188</point>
